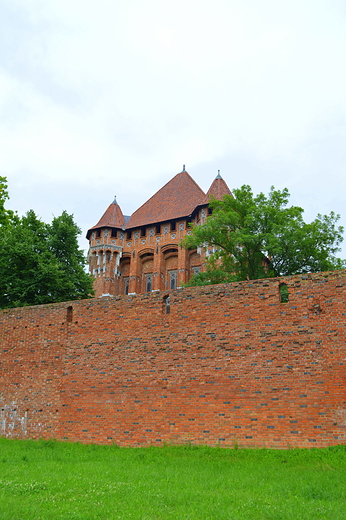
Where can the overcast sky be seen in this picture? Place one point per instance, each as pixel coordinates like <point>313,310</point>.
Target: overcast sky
<point>112,97</point>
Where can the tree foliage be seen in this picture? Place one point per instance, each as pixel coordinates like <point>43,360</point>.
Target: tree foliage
<point>40,263</point>
<point>249,237</point>
<point>6,215</point>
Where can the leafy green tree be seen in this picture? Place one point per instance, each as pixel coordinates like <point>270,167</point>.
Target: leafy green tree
<point>5,215</point>
<point>250,237</point>
<point>41,263</point>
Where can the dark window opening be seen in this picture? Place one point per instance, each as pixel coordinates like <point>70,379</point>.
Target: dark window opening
<point>98,233</point>
<point>158,229</point>
<point>173,226</point>
<point>146,256</point>
<point>129,234</point>
<point>284,296</point>
<point>114,233</point>
<point>166,304</point>
<point>143,231</point>
<point>126,285</point>
<point>69,314</point>
<point>170,251</point>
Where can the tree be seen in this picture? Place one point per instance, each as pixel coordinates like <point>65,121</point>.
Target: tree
<point>5,215</point>
<point>41,263</point>
<point>260,236</point>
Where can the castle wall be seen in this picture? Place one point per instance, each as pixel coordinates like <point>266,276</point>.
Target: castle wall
<point>228,364</point>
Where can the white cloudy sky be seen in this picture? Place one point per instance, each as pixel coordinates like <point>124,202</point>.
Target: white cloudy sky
<point>109,97</point>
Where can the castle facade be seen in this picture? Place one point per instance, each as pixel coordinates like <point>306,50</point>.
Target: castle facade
<point>141,253</point>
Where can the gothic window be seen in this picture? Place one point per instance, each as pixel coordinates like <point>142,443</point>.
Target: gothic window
<point>181,226</point>
<point>106,233</point>
<point>148,282</point>
<point>196,269</point>
<point>173,278</point>
<point>151,232</point>
<point>165,229</point>
<point>126,285</point>
<point>137,234</point>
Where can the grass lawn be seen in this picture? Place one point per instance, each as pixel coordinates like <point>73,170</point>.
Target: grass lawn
<point>56,480</point>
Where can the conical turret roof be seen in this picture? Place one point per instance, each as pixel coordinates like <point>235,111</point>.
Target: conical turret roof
<point>218,189</point>
<point>113,217</point>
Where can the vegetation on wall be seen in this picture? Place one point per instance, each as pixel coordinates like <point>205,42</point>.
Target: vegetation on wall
<point>39,263</point>
<point>249,237</point>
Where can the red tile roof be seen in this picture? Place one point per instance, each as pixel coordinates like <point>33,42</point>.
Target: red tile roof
<point>218,189</point>
<point>113,217</point>
<point>178,198</point>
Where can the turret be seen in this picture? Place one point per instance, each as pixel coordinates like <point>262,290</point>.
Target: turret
<point>106,241</point>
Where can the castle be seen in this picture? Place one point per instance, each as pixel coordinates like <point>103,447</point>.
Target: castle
<point>159,363</point>
<point>141,253</point>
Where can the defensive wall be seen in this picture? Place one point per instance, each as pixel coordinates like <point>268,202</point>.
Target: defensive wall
<point>220,365</point>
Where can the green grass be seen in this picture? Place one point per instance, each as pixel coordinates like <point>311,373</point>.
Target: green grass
<point>55,480</point>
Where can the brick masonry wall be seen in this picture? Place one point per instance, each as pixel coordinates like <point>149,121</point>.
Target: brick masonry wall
<point>229,364</point>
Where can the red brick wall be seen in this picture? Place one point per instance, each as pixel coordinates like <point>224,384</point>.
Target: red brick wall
<point>229,364</point>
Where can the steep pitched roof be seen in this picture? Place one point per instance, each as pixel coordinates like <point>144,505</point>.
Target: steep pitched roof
<point>178,198</point>
<point>113,217</point>
<point>218,189</point>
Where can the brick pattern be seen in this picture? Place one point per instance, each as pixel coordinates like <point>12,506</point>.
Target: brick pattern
<point>227,364</point>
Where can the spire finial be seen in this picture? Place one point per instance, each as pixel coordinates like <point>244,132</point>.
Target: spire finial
<point>115,200</point>
<point>183,167</point>
<point>218,175</point>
